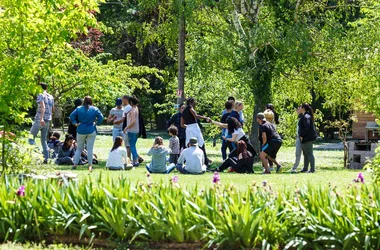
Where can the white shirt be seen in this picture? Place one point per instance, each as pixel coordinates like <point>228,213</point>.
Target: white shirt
<point>239,132</point>
<point>194,158</point>
<point>117,158</point>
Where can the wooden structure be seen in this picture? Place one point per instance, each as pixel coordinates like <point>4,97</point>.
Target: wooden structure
<point>365,128</point>
<point>359,153</point>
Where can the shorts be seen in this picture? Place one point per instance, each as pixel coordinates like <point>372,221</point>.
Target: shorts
<point>126,140</point>
<point>271,148</point>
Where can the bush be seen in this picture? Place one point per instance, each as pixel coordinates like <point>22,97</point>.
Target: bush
<point>221,216</point>
<point>374,166</point>
<point>18,156</point>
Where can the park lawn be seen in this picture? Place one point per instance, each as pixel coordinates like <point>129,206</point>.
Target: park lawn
<point>329,168</point>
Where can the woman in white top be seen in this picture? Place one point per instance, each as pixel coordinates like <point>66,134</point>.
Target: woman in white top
<point>118,155</point>
<point>235,128</point>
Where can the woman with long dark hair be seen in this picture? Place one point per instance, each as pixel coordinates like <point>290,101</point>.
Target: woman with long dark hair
<point>235,129</point>
<point>133,129</point>
<point>118,155</point>
<point>243,163</point>
<point>66,151</point>
<point>307,134</point>
<point>189,121</point>
<point>85,118</point>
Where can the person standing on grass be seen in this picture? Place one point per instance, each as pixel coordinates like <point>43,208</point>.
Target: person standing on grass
<point>189,121</point>
<point>158,162</point>
<point>194,158</point>
<point>85,118</point>
<point>243,163</point>
<point>73,129</point>
<point>117,158</point>
<point>43,119</point>
<point>226,144</point>
<point>133,129</point>
<point>116,118</point>
<point>176,121</point>
<point>238,109</point>
<point>173,144</point>
<point>270,106</point>
<point>298,145</point>
<point>271,142</point>
<point>127,108</point>
<point>307,134</point>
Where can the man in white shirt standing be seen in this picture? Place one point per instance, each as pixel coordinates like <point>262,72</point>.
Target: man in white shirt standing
<point>194,158</point>
<point>116,117</point>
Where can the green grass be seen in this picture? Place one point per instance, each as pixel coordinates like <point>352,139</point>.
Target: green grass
<point>329,168</point>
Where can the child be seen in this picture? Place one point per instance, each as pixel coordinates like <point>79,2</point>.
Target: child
<point>173,144</point>
<point>53,144</point>
<point>159,153</point>
<point>66,151</point>
<point>117,158</point>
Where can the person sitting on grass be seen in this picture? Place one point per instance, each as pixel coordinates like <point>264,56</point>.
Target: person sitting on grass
<point>158,162</point>
<point>53,144</point>
<point>117,159</point>
<point>174,144</point>
<point>243,163</point>
<point>66,151</point>
<point>194,158</point>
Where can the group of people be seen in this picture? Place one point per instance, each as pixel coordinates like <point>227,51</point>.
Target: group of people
<point>186,151</point>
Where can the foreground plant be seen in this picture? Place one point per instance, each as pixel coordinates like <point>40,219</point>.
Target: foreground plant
<point>221,216</point>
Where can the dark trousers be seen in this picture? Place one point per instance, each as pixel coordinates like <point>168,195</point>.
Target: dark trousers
<point>237,165</point>
<point>182,143</point>
<point>308,156</point>
<point>226,144</point>
<point>207,163</point>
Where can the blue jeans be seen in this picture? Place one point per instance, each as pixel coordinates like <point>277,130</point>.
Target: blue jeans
<point>36,127</point>
<point>89,139</point>
<point>117,132</point>
<point>169,168</point>
<point>132,144</point>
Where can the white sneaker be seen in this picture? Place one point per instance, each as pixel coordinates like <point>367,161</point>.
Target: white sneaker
<point>293,171</point>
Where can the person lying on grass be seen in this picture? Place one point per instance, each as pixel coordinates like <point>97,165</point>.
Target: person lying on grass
<point>158,162</point>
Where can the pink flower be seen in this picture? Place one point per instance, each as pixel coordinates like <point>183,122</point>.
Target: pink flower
<point>21,191</point>
<point>361,177</point>
<point>175,179</point>
<point>216,178</point>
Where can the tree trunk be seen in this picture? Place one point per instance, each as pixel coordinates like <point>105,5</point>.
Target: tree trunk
<point>181,58</point>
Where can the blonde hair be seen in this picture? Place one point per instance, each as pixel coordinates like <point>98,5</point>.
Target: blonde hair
<point>237,104</point>
<point>269,115</point>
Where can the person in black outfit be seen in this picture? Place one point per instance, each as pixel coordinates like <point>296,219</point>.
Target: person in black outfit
<point>176,120</point>
<point>307,134</point>
<point>243,163</point>
<point>270,141</point>
<point>73,129</point>
<point>226,144</point>
<point>189,121</point>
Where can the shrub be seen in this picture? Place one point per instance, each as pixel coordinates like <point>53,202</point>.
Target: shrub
<point>222,216</point>
<point>374,166</point>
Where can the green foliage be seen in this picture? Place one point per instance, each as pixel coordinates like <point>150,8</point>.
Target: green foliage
<point>373,165</point>
<point>220,216</point>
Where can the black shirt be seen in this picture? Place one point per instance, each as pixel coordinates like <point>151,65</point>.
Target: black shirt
<point>224,117</point>
<point>269,130</point>
<point>188,116</point>
<point>236,115</point>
